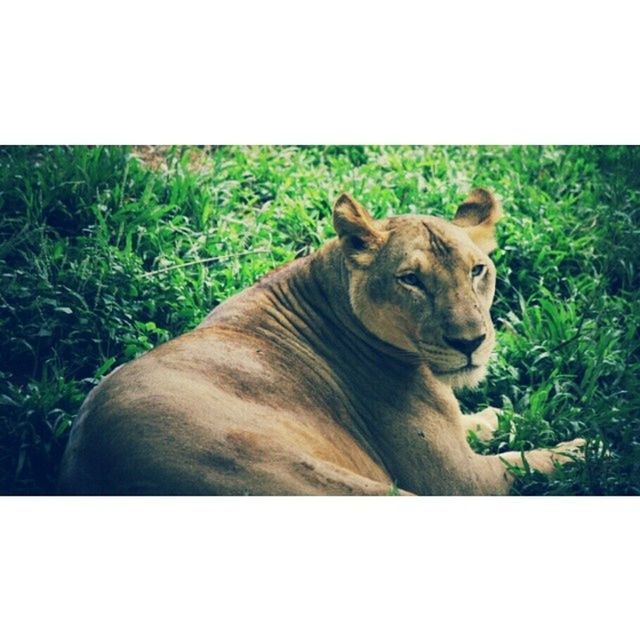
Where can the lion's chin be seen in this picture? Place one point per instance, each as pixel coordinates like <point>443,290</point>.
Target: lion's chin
<point>468,376</point>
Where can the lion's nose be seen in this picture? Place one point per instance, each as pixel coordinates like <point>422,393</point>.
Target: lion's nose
<point>465,346</point>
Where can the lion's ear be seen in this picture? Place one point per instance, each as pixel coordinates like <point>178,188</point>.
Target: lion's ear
<point>356,229</point>
<point>478,215</point>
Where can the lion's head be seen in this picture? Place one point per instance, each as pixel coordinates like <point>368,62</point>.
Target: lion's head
<point>425,285</point>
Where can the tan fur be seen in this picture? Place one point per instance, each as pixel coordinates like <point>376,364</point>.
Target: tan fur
<point>333,375</point>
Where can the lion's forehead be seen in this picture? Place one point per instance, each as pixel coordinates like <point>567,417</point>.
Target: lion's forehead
<point>426,240</point>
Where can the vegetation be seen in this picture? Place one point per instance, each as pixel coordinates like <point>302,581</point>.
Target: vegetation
<point>108,251</point>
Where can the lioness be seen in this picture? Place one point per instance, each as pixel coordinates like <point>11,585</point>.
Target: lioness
<point>332,375</point>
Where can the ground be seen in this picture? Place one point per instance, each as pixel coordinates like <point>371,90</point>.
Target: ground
<point>108,251</point>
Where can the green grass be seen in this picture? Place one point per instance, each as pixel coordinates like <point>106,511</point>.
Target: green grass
<point>89,238</point>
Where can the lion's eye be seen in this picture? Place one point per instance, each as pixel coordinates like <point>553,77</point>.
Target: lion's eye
<point>478,270</point>
<point>410,278</point>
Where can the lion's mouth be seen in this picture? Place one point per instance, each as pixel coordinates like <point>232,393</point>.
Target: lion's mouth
<point>440,362</point>
<point>465,368</point>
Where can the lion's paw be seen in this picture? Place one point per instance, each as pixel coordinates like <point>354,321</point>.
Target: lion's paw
<point>483,423</point>
<point>571,450</point>
<point>491,415</point>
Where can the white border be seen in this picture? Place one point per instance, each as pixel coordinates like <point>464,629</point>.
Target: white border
<point>255,72</point>
<point>319,568</point>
